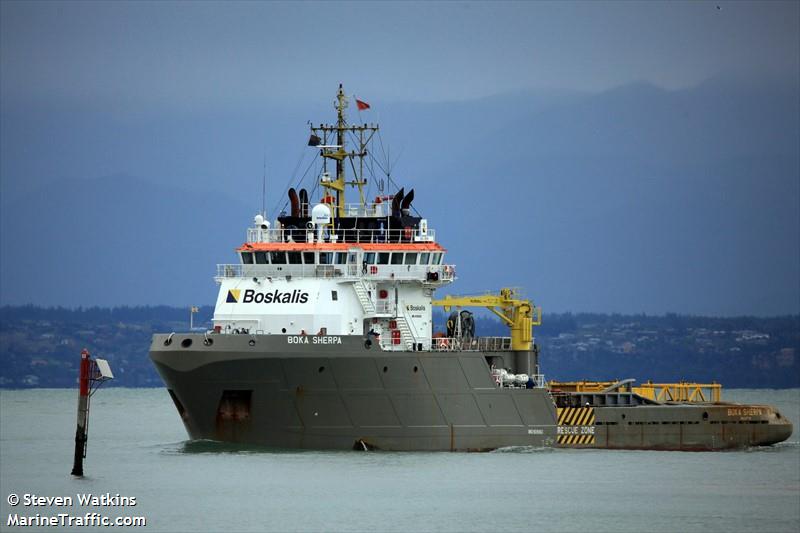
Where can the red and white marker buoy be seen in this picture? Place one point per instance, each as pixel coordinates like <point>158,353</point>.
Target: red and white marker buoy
<point>83,414</point>
<point>91,371</point>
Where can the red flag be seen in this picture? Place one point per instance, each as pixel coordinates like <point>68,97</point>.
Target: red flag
<point>361,105</point>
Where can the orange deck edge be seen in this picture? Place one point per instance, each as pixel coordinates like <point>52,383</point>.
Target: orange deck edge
<point>336,246</point>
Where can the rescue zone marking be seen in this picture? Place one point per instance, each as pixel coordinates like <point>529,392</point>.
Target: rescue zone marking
<point>575,425</point>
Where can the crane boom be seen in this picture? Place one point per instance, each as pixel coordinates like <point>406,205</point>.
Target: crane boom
<point>519,315</point>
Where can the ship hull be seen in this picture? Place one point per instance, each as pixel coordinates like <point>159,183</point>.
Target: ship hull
<point>336,393</point>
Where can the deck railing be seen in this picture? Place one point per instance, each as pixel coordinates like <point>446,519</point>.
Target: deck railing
<point>425,273</point>
<point>680,392</point>
<point>684,392</point>
<point>449,344</point>
<point>476,344</point>
<point>401,235</point>
<point>357,209</point>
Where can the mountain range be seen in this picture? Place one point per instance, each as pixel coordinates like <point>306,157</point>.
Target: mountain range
<point>636,199</point>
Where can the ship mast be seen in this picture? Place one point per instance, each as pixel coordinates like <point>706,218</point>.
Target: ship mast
<point>339,153</point>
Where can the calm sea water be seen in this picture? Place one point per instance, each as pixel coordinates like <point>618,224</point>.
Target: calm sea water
<point>138,448</point>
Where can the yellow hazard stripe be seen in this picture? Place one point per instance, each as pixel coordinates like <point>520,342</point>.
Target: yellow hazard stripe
<point>575,416</point>
<point>575,439</point>
<point>569,416</point>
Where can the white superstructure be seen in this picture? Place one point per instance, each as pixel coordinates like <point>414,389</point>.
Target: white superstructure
<point>377,286</point>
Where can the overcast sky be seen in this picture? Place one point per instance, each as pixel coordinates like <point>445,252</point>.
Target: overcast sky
<point>192,97</point>
<point>196,54</point>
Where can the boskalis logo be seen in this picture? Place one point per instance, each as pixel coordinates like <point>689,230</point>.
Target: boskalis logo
<point>277,297</point>
<point>233,296</point>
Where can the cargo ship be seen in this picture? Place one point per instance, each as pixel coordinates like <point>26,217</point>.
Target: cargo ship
<point>323,338</point>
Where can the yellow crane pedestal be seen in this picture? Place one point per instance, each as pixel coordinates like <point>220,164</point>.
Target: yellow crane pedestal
<point>519,315</point>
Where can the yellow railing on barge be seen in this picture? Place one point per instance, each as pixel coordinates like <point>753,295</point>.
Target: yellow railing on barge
<point>680,392</point>
<point>661,392</point>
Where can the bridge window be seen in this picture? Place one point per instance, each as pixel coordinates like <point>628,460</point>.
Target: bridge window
<point>341,258</point>
<point>278,258</point>
<point>437,259</point>
<point>383,258</point>
<point>308,258</point>
<point>294,258</point>
<point>326,258</point>
<point>261,258</point>
<point>397,258</point>
<point>411,258</point>
<point>369,258</point>
<point>424,258</point>
<point>247,258</point>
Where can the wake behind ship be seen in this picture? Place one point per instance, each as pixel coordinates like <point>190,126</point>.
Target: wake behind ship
<point>323,338</point>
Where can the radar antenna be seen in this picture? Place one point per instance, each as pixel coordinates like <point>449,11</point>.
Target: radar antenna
<point>335,188</point>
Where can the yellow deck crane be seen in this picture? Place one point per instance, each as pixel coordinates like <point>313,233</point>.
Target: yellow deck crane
<point>519,315</point>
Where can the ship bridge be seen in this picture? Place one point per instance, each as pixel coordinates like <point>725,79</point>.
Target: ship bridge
<point>367,259</point>
<point>369,241</point>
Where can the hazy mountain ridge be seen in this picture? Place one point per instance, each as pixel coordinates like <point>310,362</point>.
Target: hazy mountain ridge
<point>40,347</point>
<point>101,241</point>
<point>635,199</point>
<point>636,204</point>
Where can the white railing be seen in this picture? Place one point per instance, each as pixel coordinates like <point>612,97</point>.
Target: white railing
<point>357,209</point>
<point>402,235</point>
<point>476,344</point>
<point>424,273</point>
